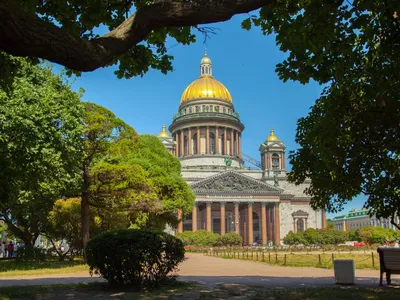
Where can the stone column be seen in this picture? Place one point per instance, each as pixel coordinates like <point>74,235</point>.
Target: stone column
<point>209,220</point>
<point>190,150</point>
<point>194,218</point>
<point>176,144</point>
<point>216,141</point>
<point>231,150</point>
<point>237,142</point>
<point>207,140</point>
<point>250,221</point>
<point>237,220</point>
<point>323,219</point>
<point>198,140</point>
<point>225,142</point>
<point>264,223</point>
<point>240,146</point>
<point>180,224</point>
<point>222,218</point>
<point>182,143</point>
<point>270,223</point>
<point>277,225</point>
<point>283,161</point>
<point>294,224</point>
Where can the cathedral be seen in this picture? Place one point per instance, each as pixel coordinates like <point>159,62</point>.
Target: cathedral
<point>257,203</point>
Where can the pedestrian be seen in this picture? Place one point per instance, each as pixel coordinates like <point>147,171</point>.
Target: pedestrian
<point>396,245</point>
<point>10,249</point>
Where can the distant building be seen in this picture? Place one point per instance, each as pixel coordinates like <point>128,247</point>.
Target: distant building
<point>360,218</point>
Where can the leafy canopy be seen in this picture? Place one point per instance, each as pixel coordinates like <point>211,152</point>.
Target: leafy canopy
<point>40,144</point>
<point>349,142</point>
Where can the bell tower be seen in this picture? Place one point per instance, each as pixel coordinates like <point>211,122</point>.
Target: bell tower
<point>273,158</point>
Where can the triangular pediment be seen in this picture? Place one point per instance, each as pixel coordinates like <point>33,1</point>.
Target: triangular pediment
<point>231,182</point>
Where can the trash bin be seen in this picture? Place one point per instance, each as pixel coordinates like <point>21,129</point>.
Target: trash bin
<point>344,271</point>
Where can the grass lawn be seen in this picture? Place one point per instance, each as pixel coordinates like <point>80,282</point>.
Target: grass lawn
<point>362,261</point>
<point>181,290</point>
<point>12,267</point>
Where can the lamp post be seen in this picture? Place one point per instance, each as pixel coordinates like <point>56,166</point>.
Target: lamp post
<point>231,218</point>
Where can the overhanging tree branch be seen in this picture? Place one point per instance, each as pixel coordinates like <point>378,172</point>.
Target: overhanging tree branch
<point>24,34</point>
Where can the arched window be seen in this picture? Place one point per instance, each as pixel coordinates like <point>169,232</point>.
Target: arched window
<point>300,225</point>
<point>185,145</point>
<point>212,143</point>
<point>275,161</point>
<point>194,143</point>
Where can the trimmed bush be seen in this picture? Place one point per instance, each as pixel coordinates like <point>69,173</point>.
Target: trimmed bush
<point>198,238</point>
<point>134,257</point>
<point>206,238</point>
<point>230,239</point>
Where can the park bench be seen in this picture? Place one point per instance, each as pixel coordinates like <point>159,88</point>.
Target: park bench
<point>389,259</point>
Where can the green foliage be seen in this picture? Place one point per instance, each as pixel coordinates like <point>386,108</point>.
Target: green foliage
<point>349,141</point>
<point>333,237</point>
<point>312,236</point>
<point>83,19</point>
<point>40,144</point>
<point>134,257</point>
<point>198,238</point>
<point>30,253</point>
<point>375,235</point>
<point>230,239</point>
<point>162,171</point>
<point>352,235</point>
<point>294,238</point>
<point>65,222</point>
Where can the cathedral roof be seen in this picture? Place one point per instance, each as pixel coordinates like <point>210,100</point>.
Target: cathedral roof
<point>233,183</point>
<point>206,86</point>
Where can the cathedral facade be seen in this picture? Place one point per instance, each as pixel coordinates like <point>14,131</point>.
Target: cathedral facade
<point>258,203</point>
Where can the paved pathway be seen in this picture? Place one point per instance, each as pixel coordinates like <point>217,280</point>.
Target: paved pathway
<point>213,270</point>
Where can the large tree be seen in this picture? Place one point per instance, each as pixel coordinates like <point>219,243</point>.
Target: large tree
<point>65,31</point>
<point>40,144</point>
<point>104,135</point>
<point>349,143</point>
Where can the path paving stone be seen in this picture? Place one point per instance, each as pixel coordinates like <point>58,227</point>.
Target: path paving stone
<point>212,271</point>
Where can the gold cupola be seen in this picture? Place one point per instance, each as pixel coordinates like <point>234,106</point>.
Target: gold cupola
<point>272,137</point>
<point>206,86</point>
<point>163,132</point>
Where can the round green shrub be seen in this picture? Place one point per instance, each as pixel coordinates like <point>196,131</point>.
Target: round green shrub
<point>134,257</point>
<point>198,238</point>
<point>230,239</point>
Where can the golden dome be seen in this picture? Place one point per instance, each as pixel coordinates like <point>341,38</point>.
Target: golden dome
<point>272,137</point>
<point>163,132</point>
<point>206,87</point>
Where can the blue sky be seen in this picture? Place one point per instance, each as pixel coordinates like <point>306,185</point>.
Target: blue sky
<point>244,61</point>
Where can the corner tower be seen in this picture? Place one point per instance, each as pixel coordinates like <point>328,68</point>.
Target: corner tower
<point>206,129</point>
<point>273,155</point>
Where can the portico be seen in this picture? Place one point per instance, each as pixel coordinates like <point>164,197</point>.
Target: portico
<point>254,221</point>
<point>232,202</point>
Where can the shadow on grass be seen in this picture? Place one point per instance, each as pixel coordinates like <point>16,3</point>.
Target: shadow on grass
<point>95,289</point>
<point>15,265</point>
<point>186,290</point>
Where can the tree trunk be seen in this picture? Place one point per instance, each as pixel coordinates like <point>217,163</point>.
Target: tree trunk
<point>85,213</point>
<point>25,34</point>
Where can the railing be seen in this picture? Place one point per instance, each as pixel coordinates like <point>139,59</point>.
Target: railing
<point>251,160</point>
